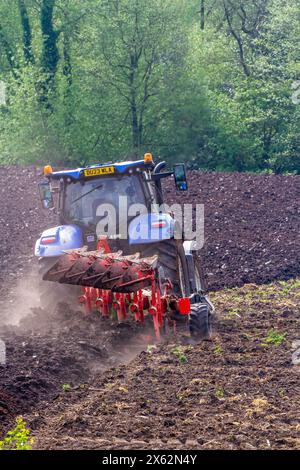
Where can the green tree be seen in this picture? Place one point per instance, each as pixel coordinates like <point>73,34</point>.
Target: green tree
<point>141,48</point>
<point>206,81</point>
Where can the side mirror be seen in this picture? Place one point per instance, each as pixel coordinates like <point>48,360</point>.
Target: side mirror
<point>46,195</point>
<point>180,177</point>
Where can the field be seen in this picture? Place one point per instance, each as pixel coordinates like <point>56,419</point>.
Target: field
<point>81,383</point>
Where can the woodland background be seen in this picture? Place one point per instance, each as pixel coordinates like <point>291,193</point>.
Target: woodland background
<point>211,82</point>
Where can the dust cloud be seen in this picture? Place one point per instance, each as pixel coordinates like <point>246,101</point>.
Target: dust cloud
<point>19,300</point>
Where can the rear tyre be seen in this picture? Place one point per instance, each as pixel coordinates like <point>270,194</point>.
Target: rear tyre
<point>172,261</point>
<point>200,322</point>
<point>53,293</point>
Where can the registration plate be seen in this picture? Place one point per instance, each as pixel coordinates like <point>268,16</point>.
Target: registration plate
<point>104,170</point>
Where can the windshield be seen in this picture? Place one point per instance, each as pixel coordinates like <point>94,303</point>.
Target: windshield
<point>82,198</point>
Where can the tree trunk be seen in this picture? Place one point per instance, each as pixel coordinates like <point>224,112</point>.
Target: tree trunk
<point>238,39</point>
<point>27,37</point>
<point>202,14</point>
<point>50,54</point>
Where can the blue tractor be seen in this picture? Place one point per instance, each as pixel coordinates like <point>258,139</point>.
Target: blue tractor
<point>118,250</point>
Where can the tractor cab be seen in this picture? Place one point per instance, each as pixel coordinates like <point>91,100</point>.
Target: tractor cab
<point>105,199</point>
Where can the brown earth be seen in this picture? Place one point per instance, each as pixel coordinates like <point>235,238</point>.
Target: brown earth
<point>45,354</point>
<point>239,391</point>
<point>251,226</point>
<point>251,229</point>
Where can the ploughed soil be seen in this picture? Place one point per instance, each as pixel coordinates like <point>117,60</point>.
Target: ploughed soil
<point>48,353</point>
<point>238,391</point>
<point>251,225</point>
<point>71,375</point>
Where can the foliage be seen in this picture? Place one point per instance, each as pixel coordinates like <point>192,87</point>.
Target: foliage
<point>218,350</point>
<point>104,80</point>
<point>151,348</point>
<point>179,353</point>
<point>220,393</point>
<point>274,337</point>
<point>18,438</point>
<point>66,387</point>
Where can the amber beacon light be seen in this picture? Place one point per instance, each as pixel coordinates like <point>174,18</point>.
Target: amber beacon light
<point>148,157</point>
<point>48,170</point>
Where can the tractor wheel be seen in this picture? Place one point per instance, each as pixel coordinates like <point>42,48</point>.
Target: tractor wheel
<point>53,293</point>
<point>200,322</point>
<point>172,261</point>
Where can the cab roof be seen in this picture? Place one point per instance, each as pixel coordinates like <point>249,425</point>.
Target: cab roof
<point>120,168</point>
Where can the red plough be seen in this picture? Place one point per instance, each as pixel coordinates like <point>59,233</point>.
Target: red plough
<point>128,286</point>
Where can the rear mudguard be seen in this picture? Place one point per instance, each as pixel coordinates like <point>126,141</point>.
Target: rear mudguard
<point>151,228</point>
<point>55,240</point>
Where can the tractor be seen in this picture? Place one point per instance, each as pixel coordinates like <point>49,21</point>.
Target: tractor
<point>117,250</point>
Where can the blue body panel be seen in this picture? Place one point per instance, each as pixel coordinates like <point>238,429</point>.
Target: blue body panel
<point>78,172</point>
<point>67,237</point>
<point>141,229</point>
